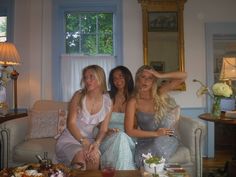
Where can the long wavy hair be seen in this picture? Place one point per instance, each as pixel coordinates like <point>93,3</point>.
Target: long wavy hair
<point>129,82</point>
<point>99,75</point>
<point>162,102</point>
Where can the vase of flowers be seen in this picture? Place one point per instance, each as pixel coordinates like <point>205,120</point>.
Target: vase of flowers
<point>218,91</point>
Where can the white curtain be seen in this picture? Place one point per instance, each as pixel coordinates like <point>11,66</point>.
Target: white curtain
<point>71,71</point>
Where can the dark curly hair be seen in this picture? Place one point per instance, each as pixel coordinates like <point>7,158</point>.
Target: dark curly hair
<point>129,82</point>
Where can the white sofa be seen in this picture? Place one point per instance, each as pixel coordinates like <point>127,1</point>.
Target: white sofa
<point>22,150</point>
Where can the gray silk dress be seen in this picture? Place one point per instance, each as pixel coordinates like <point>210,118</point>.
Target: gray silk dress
<point>163,146</point>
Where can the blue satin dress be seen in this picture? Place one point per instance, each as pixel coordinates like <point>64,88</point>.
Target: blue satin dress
<point>118,147</point>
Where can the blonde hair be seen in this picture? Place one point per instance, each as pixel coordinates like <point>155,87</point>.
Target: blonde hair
<point>100,77</point>
<point>163,103</point>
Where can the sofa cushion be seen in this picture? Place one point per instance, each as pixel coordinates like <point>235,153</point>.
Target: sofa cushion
<point>26,151</point>
<point>43,124</point>
<point>182,155</point>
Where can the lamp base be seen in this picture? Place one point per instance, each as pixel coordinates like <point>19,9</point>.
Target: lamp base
<point>3,109</point>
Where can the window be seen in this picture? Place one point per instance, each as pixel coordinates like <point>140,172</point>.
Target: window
<point>89,33</point>
<point>84,32</point>
<point>3,28</point>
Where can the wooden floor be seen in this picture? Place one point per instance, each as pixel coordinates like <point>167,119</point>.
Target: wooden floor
<point>221,156</point>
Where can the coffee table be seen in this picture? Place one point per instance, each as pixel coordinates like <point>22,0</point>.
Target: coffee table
<point>119,173</point>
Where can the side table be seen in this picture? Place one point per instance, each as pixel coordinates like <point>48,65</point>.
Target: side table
<point>12,114</point>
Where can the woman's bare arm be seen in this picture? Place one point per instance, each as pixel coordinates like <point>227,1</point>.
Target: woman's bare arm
<point>103,127</point>
<point>174,79</point>
<point>72,118</point>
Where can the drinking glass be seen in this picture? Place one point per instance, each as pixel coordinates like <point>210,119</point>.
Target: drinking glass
<point>108,169</point>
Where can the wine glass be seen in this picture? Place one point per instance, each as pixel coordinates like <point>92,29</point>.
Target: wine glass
<point>108,169</point>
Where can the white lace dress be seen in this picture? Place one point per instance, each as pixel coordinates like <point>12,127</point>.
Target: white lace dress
<point>67,146</point>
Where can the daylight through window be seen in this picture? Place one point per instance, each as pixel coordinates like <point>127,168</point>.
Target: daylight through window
<point>3,28</point>
<point>89,33</point>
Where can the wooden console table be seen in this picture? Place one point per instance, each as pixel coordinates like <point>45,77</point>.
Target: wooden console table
<point>222,120</point>
<point>12,114</point>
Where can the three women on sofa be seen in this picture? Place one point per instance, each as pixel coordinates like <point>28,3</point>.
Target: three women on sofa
<point>152,106</point>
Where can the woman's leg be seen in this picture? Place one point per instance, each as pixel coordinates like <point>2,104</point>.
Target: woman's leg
<point>78,161</point>
<point>93,164</point>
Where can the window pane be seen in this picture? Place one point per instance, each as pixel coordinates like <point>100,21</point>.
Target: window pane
<point>89,33</point>
<point>3,28</point>
<point>89,44</point>
<point>105,44</point>
<point>88,23</point>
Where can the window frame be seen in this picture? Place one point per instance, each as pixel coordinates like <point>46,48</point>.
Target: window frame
<point>7,9</point>
<point>58,40</point>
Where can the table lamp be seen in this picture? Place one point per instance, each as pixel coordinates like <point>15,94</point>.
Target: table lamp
<point>228,74</point>
<point>228,69</point>
<point>9,56</point>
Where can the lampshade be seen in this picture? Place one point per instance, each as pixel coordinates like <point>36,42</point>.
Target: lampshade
<point>228,69</point>
<point>8,54</point>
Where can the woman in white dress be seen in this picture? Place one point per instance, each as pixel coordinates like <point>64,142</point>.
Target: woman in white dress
<point>89,107</point>
<point>118,147</point>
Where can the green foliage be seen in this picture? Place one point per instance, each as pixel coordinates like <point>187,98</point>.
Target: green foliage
<point>155,160</point>
<point>89,33</point>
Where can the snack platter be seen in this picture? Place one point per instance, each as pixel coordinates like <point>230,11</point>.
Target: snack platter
<point>36,170</point>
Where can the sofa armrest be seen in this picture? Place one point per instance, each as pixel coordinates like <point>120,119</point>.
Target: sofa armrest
<point>13,132</point>
<point>192,133</point>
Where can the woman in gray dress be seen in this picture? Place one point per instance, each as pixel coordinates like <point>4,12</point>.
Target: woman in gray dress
<point>151,114</point>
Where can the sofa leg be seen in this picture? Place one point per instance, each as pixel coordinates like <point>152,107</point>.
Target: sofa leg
<point>198,150</point>
<point>4,148</point>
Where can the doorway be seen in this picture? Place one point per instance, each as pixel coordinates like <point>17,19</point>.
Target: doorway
<point>220,37</point>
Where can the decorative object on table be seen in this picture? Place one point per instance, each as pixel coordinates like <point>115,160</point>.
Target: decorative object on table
<point>219,91</point>
<point>4,78</point>
<point>9,57</point>
<point>153,164</point>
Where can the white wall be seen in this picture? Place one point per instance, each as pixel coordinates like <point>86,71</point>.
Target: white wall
<point>32,34</point>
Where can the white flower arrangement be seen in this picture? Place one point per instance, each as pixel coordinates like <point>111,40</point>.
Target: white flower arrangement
<point>218,90</point>
<point>153,164</point>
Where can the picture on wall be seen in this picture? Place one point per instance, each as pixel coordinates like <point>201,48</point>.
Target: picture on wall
<point>162,21</point>
<point>158,65</point>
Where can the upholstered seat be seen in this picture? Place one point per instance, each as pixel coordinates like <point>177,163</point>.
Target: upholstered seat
<point>23,149</point>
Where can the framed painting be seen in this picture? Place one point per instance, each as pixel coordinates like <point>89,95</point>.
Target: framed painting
<point>158,65</point>
<point>162,21</point>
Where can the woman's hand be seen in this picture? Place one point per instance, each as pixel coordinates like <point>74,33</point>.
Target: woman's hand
<point>165,132</point>
<point>154,73</point>
<point>112,130</point>
<point>92,153</point>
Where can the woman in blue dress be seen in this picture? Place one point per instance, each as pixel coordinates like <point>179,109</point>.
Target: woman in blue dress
<point>155,113</point>
<point>118,147</point>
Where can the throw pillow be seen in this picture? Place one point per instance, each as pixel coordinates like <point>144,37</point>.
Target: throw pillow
<point>42,124</point>
<point>61,125</point>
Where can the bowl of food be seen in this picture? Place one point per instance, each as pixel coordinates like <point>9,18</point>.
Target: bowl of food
<point>154,164</point>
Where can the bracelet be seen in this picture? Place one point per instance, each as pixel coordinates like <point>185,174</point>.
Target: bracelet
<point>97,143</point>
<point>81,140</point>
